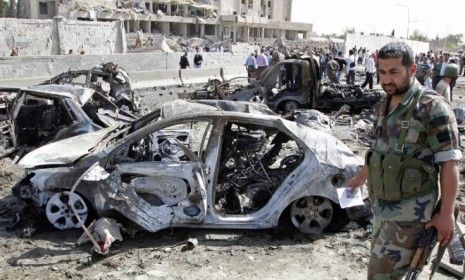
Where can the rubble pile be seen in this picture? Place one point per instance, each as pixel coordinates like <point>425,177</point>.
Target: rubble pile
<point>127,7</point>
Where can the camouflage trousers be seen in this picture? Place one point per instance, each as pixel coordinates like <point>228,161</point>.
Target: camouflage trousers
<point>392,247</point>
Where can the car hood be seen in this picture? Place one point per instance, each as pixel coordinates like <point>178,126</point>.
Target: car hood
<point>65,151</point>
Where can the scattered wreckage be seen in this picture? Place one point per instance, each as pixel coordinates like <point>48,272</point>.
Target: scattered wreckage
<point>34,116</point>
<point>210,163</point>
<point>293,84</point>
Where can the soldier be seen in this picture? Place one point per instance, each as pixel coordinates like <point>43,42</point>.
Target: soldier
<point>444,86</point>
<point>416,141</point>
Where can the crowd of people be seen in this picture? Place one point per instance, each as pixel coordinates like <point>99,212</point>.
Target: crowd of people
<point>257,61</point>
<point>439,71</point>
<point>435,70</point>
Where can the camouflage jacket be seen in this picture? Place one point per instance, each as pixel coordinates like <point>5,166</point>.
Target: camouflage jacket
<point>432,137</point>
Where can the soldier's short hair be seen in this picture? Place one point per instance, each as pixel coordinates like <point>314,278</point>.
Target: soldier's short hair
<point>395,50</point>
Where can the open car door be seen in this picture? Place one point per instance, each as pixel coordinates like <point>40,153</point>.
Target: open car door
<point>7,135</point>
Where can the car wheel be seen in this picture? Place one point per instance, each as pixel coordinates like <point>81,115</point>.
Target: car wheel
<point>59,213</point>
<point>314,214</point>
<point>290,106</point>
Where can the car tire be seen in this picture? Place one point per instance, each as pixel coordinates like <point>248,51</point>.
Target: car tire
<point>290,106</point>
<point>315,215</point>
<point>60,215</point>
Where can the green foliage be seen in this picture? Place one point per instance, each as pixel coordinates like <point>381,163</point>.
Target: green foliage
<point>417,36</point>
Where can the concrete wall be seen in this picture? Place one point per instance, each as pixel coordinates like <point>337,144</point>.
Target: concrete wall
<point>29,67</point>
<point>373,43</point>
<point>58,36</point>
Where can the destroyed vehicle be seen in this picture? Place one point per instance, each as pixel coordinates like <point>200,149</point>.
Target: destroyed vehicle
<point>295,84</point>
<point>108,79</point>
<point>210,164</point>
<point>337,95</point>
<point>32,117</point>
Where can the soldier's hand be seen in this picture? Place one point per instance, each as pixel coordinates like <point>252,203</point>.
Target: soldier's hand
<point>445,225</point>
<point>359,179</point>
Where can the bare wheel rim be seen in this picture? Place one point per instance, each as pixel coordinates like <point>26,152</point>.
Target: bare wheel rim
<point>312,214</point>
<point>59,213</point>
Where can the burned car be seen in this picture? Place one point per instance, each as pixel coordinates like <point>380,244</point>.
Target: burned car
<point>337,95</point>
<point>34,116</point>
<point>107,78</point>
<point>211,164</point>
<point>294,84</point>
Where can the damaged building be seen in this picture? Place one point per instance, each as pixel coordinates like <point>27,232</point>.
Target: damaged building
<point>237,20</point>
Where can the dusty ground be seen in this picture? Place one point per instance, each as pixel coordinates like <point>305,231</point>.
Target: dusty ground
<point>220,254</point>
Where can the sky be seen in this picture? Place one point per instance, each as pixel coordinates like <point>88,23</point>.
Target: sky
<point>429,17</point>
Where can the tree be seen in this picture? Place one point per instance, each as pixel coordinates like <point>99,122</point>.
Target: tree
<point>3,7</point>
<point>349,30</point>
<point>417,36</point>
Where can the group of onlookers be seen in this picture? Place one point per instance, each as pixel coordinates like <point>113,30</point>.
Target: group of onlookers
<point>437,71</point>
<point>257,61</point>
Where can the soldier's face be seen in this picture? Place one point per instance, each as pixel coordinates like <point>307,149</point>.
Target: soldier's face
<point>394,77</point>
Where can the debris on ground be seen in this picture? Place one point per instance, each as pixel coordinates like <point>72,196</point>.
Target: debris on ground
<point>104,232</point>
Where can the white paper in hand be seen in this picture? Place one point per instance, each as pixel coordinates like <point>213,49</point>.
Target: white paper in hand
<point>349,198</point>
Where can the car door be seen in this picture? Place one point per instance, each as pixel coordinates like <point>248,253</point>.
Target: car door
<point>6,132</point>
<point>158,179</point>
<point>8,98</point>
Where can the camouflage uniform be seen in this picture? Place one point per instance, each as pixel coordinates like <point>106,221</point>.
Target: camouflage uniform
<point>432,137</point>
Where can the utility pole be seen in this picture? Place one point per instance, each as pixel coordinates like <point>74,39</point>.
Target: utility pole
<point>408,17</point>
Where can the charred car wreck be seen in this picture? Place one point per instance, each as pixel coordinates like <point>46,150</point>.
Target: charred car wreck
<point>108,79</point>
<point>293,84</point>
<point>34,116</point>
<point>212,164</point>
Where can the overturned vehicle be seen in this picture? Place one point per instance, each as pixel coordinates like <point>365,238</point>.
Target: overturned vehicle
<point>294,84</point>
<point>108,79</point>
<point>212,164</point>
<point>34,116</point>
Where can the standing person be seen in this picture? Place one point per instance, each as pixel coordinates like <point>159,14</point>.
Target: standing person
<point>340,59</point>
<point>370,71</point>
<point>437,71</point>
<point>262,60</point>
<point>184,62</point>
<point>139,39</point>
<point>251,65</point>
<point>333,69</point>
<point>377,66</point>
<point>269,56</point>
<point>416,141</point>
<point>198,59</point>
<point>443,88</point>
<point>350,68</point>
<point>323,64</point>
<point>462,64</point>
<point>442,68</point>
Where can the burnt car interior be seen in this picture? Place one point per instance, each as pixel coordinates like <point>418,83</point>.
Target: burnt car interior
<point>40,119</point>
<point>183,143</point>
<point>165,144</point>
<point>254,162</point>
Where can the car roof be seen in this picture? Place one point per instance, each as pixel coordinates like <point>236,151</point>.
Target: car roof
<point>182,106</point>
<point>81,93</point>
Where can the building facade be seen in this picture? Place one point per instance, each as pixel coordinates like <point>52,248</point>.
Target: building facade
<point>236,20</point>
